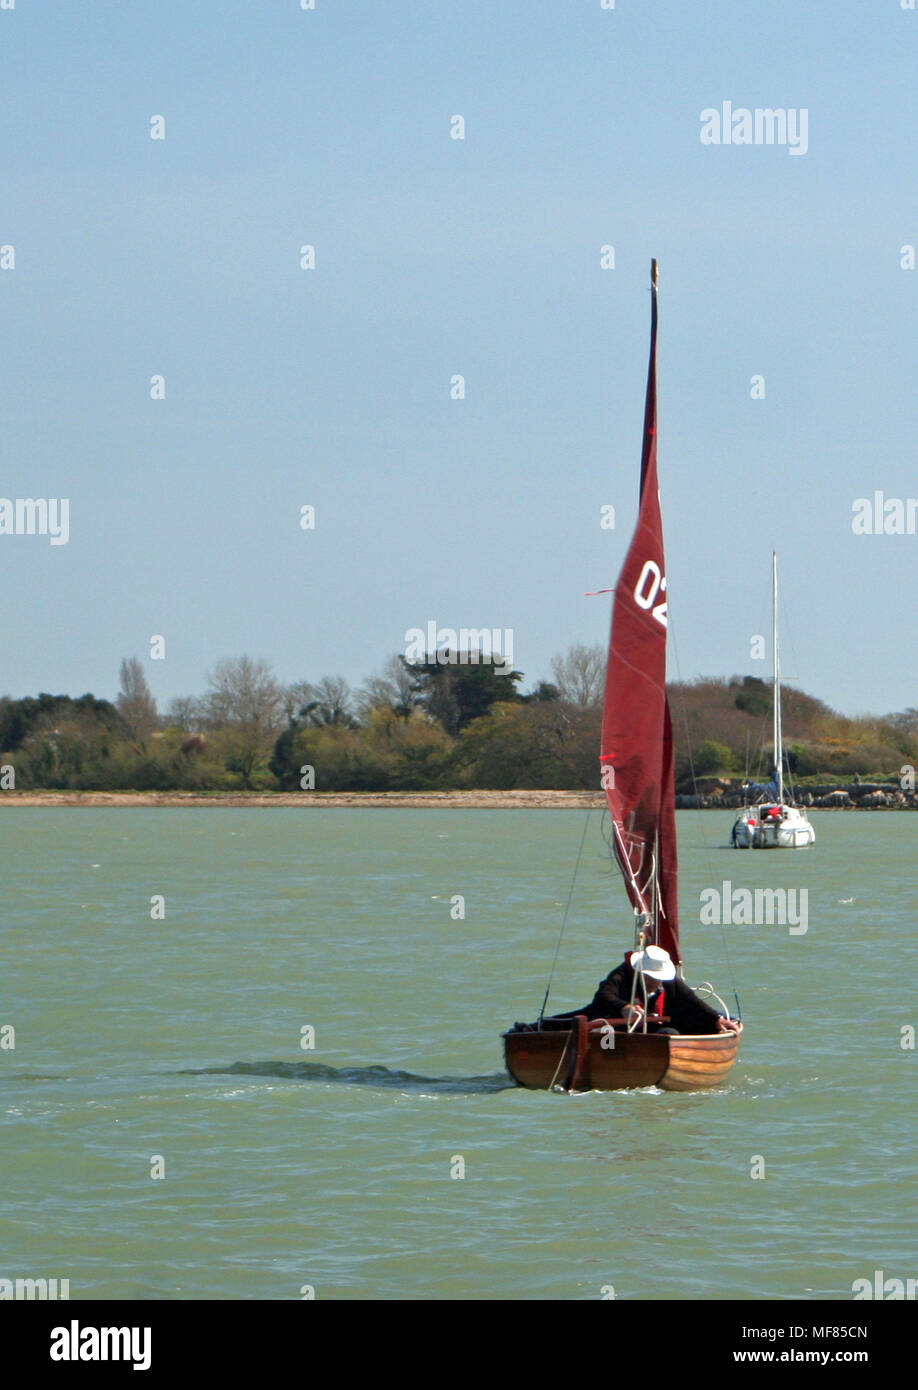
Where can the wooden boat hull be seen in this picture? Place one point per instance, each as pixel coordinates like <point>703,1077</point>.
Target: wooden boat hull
<point>580,1058</point>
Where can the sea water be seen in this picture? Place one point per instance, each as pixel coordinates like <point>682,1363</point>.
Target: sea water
<point>257,1055</point>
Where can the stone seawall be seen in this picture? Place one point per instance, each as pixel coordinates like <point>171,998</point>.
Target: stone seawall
<point>715,792</point>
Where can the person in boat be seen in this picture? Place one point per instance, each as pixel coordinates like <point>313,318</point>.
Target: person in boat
<point>646,981</point>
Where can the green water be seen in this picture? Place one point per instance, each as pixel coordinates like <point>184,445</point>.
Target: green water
<point>331,1167</point>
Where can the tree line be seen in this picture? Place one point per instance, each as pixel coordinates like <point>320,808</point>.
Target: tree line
<point>443,724</point>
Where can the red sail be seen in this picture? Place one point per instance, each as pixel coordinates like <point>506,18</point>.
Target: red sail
<point>637,748</point>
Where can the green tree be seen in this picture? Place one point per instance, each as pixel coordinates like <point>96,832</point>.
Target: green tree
<point>754,697</point>
<point>455,691</point>
<point>543,693</point>
<point>713,757</point>
<point>544,744</point>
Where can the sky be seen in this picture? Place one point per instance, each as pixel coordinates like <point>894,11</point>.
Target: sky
<point>138,258</point>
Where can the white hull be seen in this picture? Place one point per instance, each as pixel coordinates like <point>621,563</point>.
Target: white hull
<point>755,828</point>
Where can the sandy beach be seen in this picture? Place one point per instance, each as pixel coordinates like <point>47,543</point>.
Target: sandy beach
<point>495,800</point>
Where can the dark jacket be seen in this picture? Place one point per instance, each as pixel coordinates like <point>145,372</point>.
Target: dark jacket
<point>686,1012</point>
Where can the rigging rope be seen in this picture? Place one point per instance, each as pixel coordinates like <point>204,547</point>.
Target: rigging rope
<point>567,909</point>
<point>704,838</point>
<point>553,1081</point>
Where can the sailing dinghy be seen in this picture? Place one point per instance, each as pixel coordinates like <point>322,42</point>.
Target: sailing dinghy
<point>636,757</point>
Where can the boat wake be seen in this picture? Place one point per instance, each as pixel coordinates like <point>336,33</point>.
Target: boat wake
<point>363,1076</point>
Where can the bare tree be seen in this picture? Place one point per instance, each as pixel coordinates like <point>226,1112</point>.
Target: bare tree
<point>333,702</point>
<point>392,689</point>
<point>135,703</point>
<point>905,720</point>
<point>580,675</point>
<point>244,692</point>
<point>245,704</point>
<point>186,712</point>
<point>297,698</point>
<point>329,701</point>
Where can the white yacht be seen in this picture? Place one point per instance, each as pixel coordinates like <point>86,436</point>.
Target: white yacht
<point>773,822</point>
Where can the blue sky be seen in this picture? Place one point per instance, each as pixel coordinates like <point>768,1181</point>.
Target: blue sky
<point>434,256</point>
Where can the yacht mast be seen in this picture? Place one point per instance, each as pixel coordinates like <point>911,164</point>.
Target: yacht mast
<point>779,759</point>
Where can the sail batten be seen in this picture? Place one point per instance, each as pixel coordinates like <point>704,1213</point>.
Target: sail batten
<point>637,743</point>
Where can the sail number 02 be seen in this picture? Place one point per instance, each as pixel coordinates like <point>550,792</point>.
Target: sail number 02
<point>651,583</point>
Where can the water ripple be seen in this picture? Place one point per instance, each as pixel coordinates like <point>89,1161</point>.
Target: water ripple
<point>362,1076</point>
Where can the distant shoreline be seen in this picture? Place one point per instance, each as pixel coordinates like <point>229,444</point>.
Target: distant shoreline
<point>503,800</point>
<point>480,800</point>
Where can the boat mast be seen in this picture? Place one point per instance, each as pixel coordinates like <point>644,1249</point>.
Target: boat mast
<point>779,759</point>
<point>651,424</point>
<point>636,740</point>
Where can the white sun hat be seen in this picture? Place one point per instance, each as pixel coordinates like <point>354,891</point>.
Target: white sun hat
<point>653,962</point>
